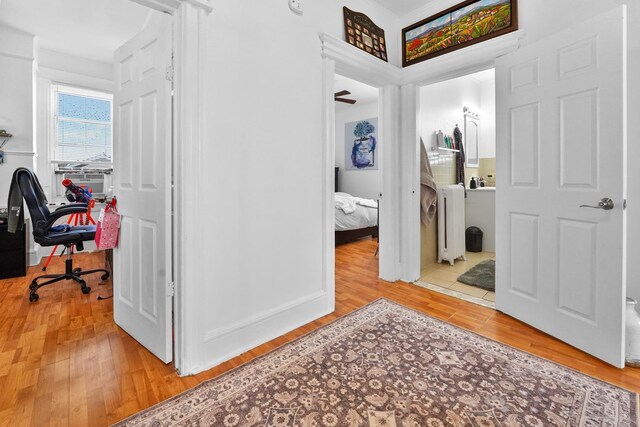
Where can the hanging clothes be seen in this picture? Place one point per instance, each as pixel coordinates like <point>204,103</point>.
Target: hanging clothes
<point>457,136</point>
<point>428,188</point>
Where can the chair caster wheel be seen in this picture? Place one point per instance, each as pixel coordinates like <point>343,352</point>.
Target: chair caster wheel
<point>105,276</point>
<point>77,270</point>
<point>33,297</point>
<point>86,290</point>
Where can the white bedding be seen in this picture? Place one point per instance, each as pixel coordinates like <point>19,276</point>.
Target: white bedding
<point>353,213</point>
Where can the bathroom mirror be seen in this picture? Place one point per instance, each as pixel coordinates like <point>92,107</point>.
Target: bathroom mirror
<point>471,139</point>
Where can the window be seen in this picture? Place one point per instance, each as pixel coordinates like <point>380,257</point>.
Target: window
<point>82,125</point>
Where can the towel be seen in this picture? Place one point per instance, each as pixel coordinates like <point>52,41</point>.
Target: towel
<point>428,188</point>
<point>460,158</point>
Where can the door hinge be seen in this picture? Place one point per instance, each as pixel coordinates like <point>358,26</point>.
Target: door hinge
<point>169,73</point>
<point>624,204</point>
<point>171,289</point>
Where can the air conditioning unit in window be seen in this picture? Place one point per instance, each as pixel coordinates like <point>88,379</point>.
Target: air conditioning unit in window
<point>97,180</point>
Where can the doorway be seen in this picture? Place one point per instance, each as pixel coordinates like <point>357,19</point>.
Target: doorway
<point>466,105</point>
<point>357,168</point>
<point>85,133</point>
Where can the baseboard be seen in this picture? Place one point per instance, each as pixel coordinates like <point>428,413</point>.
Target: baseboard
<point>37,254</point>
<point>225,343</point>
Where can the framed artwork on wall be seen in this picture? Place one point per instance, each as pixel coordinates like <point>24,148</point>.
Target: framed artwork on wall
<point>361,144</point>
<point>465,24</point>
<point>361,32</point>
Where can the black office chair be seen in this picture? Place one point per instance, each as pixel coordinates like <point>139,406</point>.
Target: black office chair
<point>43,221</point>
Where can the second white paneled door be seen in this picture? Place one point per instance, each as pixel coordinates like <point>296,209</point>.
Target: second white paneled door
<point>561,129</point>
<point>142,182</point>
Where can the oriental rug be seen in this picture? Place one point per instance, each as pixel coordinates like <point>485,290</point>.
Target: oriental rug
<point>388,365</point>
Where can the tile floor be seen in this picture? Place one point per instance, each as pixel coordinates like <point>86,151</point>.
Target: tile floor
<point>445,275</point>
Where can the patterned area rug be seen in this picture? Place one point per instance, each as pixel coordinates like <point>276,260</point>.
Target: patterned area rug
<point>482,276</point>
<point>387,365</point>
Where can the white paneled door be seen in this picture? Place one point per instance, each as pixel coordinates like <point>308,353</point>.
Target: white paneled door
<point>561,123</point>
<point>142,183</point>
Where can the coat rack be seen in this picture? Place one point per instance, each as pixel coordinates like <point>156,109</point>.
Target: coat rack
<point>4,138</point>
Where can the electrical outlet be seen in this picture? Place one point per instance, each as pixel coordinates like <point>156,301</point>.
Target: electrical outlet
<point>296,6</point>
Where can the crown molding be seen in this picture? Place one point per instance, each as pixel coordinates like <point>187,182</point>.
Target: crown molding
<point>461,62</point>
<point>171,6</point>
<point>354,63</point>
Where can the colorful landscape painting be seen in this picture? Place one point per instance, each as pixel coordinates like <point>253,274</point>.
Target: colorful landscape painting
<point>467,23</point>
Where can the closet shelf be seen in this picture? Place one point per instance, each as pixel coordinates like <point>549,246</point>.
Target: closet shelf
<point>448,149</point>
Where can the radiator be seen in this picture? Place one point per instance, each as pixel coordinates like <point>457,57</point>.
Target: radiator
<point>451,223</point>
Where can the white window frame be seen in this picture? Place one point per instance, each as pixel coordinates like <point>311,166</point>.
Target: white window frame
<point>56,88</point>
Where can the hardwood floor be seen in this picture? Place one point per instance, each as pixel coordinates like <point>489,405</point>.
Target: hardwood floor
<point>64,362</point>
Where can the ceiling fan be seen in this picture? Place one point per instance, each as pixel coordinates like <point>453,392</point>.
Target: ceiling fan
<point>338,95</point>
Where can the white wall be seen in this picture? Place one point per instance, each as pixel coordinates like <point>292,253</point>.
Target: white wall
<point>360,183</point>
<point>488,119</point>
<point>26,75</point>
<point>85,69</point>
<point>16,103</point>
<point>58,68</point>
<point>262,203</point>
<point>441,107</point>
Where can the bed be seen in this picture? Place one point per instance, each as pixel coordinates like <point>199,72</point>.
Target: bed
<point>355,217</point>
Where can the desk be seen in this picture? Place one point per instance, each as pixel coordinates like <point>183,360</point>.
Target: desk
<point>13,253</point>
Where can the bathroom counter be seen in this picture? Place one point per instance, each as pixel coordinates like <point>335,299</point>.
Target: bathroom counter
<point>482,189</point>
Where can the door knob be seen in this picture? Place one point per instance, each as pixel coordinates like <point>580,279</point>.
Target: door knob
<point>605,203</point>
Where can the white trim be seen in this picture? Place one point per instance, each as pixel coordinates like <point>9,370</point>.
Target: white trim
<point>398,112</point>
<point>280,320</point>
<point>344,59</point>
<point>20,153</point>
<point>67,78</point>
<point>189,132</point>
<point>172,6</point>
<point>461,62</point>
<point>19,57</point>
<point>55,118</point>
<point>354,63</point>
<point>328,182</point>
<point>84,92</point>
<point>260,317</point>
<point>388,215</point>
<point>410,183</point>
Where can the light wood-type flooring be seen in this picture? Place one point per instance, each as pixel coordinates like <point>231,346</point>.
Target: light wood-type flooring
<point>64,362</point>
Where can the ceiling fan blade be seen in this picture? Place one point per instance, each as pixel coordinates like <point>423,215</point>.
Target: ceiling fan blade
<point>342,93</point>
<point>346,101</point>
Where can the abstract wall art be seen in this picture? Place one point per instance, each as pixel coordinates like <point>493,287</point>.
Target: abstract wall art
<point>361,145</point>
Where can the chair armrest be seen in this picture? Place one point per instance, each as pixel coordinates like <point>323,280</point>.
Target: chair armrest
<point>76,208</point>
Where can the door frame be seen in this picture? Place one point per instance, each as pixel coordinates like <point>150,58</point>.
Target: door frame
<point>188,127</point>
<point>398,111</point>
<point>340,58</point>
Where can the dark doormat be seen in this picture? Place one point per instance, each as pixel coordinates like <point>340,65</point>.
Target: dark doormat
<point>482,276</point>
